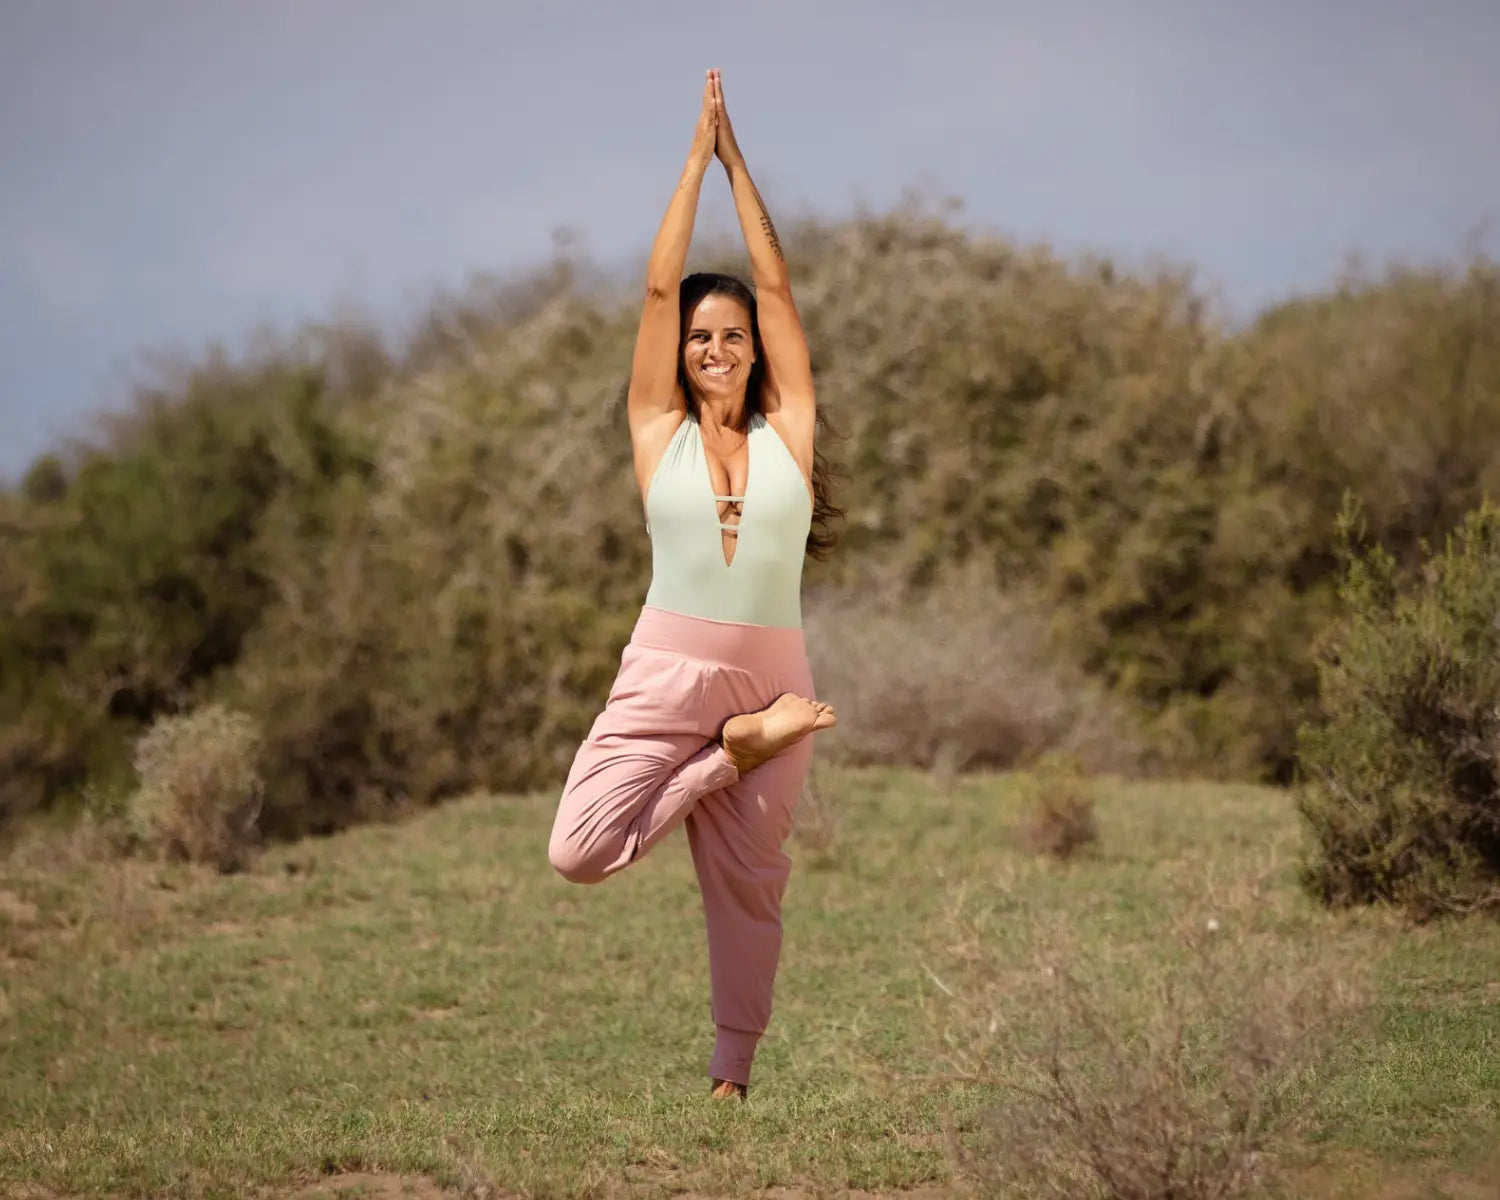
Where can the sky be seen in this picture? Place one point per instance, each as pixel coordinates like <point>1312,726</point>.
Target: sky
<point>179,172</point>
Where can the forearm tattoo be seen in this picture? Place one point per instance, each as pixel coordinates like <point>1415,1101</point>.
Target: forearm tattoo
<point>765,223</point>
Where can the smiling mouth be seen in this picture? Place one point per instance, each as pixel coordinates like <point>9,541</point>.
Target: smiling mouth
<point>718,370</point>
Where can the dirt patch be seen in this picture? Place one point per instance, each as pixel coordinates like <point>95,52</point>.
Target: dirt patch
<point>790,1193</point>
<point>348,1185</point>
<point>31,1191</point>
<point>1358,1177</point>
<point>1441,998</point>
<point>365,1185</point>
<point>370,1185</point>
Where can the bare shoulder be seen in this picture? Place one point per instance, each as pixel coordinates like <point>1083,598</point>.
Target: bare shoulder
<point>649,437</point>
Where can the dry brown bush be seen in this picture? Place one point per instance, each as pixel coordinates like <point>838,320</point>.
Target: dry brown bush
<point>955,678</point>
<point>1154,1077</point>
<point>1060,819</point>
<point>200,788</point>
<point>817,822</point>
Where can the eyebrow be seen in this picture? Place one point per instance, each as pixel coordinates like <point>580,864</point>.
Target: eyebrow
<point>727,329</point>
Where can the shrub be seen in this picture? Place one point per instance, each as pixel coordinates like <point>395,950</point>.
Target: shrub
<point>144,561</point>
<point>459,624</point>
<point>1402,764</point>
<point>1060,821</point>
<point>1383,387</point>
<point>1177,1075</point>
<point>817,822</point>
<point>954,678</point>
<point>200,788</point>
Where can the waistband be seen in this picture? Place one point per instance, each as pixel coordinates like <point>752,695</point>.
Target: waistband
<point>766,649</point>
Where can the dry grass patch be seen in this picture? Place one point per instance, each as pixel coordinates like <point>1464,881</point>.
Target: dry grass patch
<point>1174,1070</point>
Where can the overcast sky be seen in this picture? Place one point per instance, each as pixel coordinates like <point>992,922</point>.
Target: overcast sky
<point>175,171</point>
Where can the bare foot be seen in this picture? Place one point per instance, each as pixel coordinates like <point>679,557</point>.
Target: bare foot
<point>751,738</point>
<point>725,1090</point>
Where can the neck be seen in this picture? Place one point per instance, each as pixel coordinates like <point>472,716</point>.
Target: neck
<point>722,412</point>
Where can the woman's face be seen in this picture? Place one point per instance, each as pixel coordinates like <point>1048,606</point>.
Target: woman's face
<point>717,347</point>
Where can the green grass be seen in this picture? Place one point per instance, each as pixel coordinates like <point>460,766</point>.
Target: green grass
<point>428,1001</point>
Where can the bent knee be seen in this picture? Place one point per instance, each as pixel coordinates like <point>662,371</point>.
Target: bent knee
<point>574,863</point>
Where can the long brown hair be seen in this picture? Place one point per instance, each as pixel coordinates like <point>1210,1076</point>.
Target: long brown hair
<point>821,537</point>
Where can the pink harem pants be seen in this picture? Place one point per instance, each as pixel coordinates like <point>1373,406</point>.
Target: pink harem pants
<point>652,761</point>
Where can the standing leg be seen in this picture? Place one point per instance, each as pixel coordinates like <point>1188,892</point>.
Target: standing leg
<point>736,837</point>
<point>648,759</point>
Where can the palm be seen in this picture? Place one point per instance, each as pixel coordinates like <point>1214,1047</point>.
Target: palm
<point>725,146</point>
<point>705,135</point>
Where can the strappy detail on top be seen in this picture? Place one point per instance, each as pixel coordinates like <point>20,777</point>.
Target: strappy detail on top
<point>762,583</point>
<point>730,529</point>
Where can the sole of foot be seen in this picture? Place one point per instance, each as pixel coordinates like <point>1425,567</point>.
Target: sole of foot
<point>725,1090</point>
<point>751,738</point>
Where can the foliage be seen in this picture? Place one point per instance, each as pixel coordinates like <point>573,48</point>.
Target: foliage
<point>138,582</point>
<point>1402,790</point>
<point>1061,820</point>
<point>955,677</point>
<point>414,566</point>
<point>463,622</point>
<point>201,788</point>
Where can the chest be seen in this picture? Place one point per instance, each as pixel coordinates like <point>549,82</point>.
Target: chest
<point>728,465</point>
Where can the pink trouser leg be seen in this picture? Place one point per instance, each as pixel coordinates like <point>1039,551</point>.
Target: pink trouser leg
<point>629,787</point>
<point>619,812</point>
<point>736,837</point>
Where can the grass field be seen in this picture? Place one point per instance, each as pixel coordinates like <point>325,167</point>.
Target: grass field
<point>424,1009</point>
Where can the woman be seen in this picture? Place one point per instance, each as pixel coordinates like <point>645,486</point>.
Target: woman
<point>708,720</point>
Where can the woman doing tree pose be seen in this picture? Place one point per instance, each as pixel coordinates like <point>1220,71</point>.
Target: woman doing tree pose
<point>708,720</point>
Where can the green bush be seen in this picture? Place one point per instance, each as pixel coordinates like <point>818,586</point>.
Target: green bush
<point>460,625</point>
<point>1402,789</point>
<point>138,572</point>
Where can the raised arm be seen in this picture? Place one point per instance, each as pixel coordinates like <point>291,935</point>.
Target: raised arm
<point>789,400</point>
<point>654,402</point>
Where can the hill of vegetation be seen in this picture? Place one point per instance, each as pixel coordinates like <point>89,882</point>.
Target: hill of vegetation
<point>413,566</point>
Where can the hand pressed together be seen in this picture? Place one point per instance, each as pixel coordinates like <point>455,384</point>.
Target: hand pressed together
<point>725,146</point>
<point>705,136</point>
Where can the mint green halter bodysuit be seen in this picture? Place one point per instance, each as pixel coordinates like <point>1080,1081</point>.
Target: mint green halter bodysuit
<point>763,584</point>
